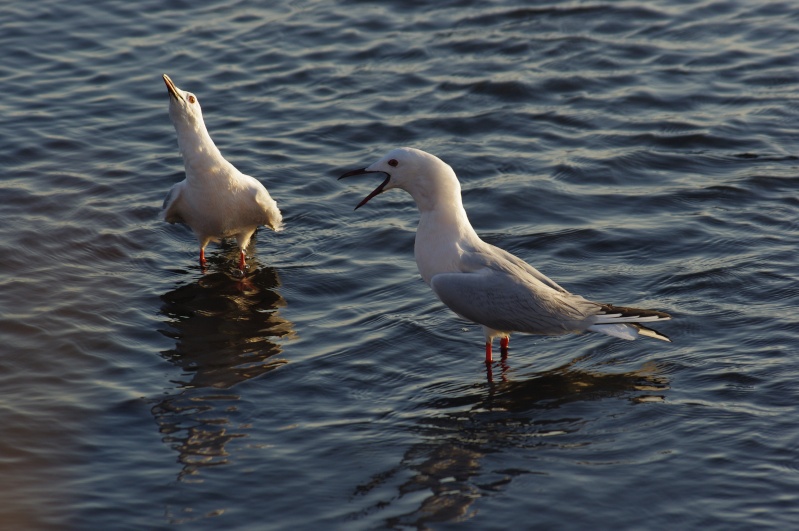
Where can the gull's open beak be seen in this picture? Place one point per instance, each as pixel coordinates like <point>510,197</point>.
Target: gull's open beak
<point>173,90</point>
<point>376,191</point>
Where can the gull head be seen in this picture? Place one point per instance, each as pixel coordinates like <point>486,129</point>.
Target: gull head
<point>427,178</point>
<point>184,108</point>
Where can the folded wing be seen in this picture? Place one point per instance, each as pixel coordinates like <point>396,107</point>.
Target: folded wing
<point>170,211</point>
<point>506,302</point>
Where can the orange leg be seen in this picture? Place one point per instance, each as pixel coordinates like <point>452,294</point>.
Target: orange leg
<point>202,256</point>
<point>242,263</point>
<point>489,359</point>
<point>503,346</point>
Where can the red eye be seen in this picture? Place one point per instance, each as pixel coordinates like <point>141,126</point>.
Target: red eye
<point>393,162</point>
<point>192,99</point>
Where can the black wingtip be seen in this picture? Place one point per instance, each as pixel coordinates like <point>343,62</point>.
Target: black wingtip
<point>634,312</point>
<point>649,332</point>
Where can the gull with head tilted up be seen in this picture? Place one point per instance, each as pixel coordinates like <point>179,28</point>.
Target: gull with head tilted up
<point>215,199</point>
<point>481,282</point>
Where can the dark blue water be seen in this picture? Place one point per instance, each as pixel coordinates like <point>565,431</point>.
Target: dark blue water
<point>640,153</point>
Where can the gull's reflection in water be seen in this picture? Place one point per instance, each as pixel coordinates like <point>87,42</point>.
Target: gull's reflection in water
<point>225,330</point>
<point>540,413</point>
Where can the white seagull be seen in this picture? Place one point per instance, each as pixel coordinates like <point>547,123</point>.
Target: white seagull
<point>483,283</point>
<point>215,199</point>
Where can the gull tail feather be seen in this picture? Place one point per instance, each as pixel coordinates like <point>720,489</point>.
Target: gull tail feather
<point>622,314</point>
<point>624,323</point>
<point>654,334</point>
<point>629,331</point>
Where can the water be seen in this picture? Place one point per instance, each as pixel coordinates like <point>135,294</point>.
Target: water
<point>638,153</point>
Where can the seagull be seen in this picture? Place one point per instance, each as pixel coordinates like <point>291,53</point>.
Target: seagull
<point>483,283</point>
<point>215,199</point>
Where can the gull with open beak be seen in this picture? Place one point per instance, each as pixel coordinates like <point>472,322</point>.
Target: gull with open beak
<point>483,283</point>
<point>215,199</point>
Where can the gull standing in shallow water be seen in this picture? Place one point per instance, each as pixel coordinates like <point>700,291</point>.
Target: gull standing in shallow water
<point>483,283</point>
<point>215,199</point>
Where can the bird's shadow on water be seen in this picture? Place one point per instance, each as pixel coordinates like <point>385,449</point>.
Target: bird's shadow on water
<point>538,412</point>
<point>226,331</point>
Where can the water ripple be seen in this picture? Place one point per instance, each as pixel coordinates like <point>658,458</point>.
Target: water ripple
<point>636,153</point>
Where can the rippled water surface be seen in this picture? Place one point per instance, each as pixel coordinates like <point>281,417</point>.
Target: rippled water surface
<point>640,153</point>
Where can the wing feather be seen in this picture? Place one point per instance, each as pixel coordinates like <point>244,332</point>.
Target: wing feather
<point>170,210</point>
<point>272,216</point>
<point>503,292</point>
<point>268,213</point>
<point>506,302</point>
<point>497,259</point>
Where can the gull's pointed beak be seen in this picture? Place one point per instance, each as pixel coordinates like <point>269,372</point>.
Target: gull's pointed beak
<point>376,191</point>
<point>173,90</point>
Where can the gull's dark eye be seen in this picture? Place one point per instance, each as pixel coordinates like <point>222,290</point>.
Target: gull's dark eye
<point>192,99</point>
<point>393,162</point>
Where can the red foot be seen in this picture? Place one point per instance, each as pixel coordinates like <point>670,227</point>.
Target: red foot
<point>503,346</point>
<point>503,343</point>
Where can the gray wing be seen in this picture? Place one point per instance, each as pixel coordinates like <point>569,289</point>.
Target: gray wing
<point>507,302</point>
<point>496,259</point>
<point>170,210</point>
